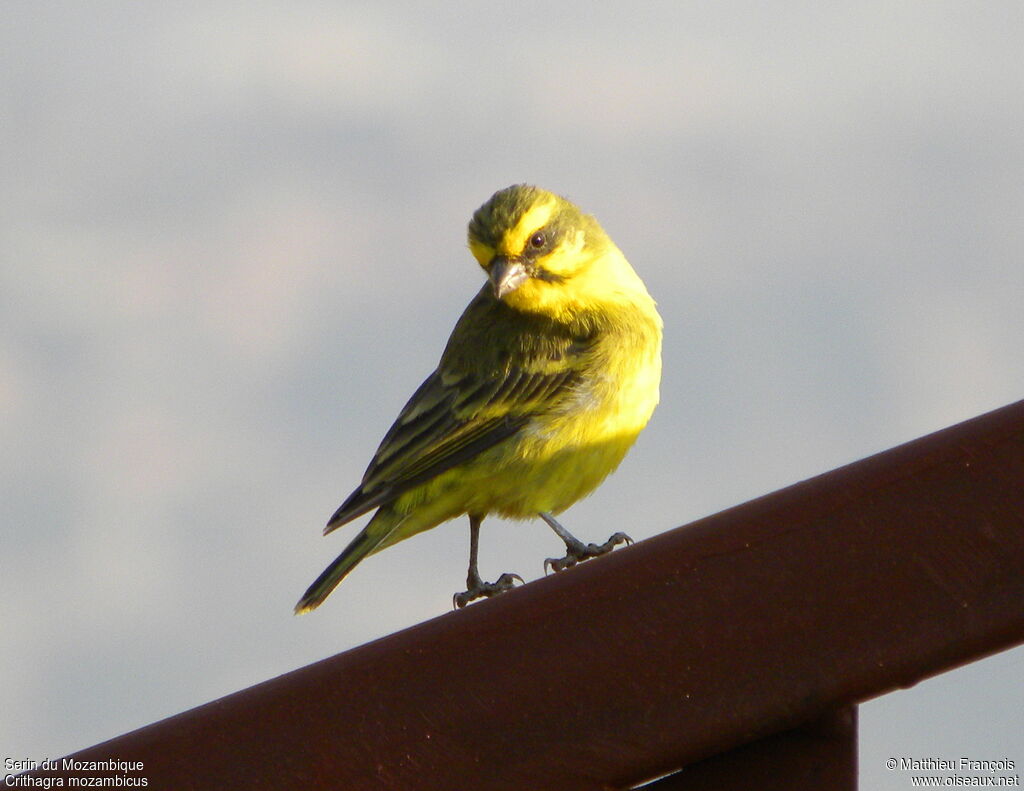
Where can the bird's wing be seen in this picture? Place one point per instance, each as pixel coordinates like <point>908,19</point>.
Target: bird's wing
<point>495,376</point>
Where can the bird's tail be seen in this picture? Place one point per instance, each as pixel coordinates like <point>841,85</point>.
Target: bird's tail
<point>367,541</point>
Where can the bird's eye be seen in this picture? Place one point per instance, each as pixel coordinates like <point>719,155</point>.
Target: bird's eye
<point>537,240</point>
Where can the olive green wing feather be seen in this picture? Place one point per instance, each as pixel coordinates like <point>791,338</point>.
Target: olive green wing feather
<point>498,372</point>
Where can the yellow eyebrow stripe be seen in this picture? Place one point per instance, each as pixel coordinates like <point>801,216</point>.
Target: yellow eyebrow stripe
<point>483,253</point>
<point>514,241</point>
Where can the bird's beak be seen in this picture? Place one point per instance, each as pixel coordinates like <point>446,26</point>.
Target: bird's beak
<point>506,275</point>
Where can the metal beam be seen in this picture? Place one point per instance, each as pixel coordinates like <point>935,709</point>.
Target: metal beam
<point>707,637</point>
<point>820,755</point>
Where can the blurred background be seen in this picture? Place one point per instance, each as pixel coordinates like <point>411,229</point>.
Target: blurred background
<point>232,243</point>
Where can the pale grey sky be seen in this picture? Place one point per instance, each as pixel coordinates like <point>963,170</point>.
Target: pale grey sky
<point>232,244</point>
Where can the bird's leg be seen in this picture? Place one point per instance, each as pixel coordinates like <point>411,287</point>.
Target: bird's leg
<point>476,588</point>
<point>575,550</point>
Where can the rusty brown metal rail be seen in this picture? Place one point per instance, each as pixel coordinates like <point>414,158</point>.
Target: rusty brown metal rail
<point>820,755</point>
<point>697,641</point>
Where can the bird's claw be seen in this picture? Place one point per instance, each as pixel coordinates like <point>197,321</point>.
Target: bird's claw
<point>578,552</point>
<point>478,589</point>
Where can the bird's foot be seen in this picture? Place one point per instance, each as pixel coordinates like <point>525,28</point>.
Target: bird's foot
<point>578,552</point>
<point>478,589</point>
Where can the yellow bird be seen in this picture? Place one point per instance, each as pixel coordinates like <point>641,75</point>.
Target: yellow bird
<point>548,377</point>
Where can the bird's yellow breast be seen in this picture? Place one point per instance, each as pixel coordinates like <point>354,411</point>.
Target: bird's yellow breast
<point>564,455</point>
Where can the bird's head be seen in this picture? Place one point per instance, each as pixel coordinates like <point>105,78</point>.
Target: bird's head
<point>540,252</point>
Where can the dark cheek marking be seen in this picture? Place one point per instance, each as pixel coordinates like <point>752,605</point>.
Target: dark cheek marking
<point>549,277</point>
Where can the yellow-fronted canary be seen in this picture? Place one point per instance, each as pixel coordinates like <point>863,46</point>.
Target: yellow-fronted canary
<point>549,376</point>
